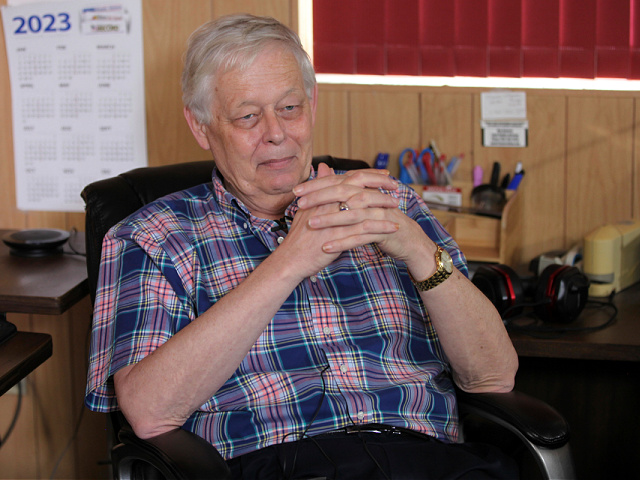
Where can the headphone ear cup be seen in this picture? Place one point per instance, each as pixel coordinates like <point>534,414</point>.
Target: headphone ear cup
<point>561,293</point>
<point>502,286</point>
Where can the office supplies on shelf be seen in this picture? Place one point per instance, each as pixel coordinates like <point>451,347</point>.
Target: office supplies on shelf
<point>445,179</point>
<point>442,197</point>
<point>408,169</point>
<point>515,181</point>
<point>411,170</point>
<point>519,167</point>
<point>454,163</point>
<point>488,198</point>
<point>426,167</point>
<point>427,160</point>
<point>505,181</point>
<point>483,236</point>
<point>495,174</point>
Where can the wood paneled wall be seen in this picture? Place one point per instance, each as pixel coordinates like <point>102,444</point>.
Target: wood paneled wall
<point>581,163</point>
<point>581,160</point>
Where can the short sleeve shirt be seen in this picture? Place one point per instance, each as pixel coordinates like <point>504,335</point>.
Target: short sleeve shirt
<point>351,344</point>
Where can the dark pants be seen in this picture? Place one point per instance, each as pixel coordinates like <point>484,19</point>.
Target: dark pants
<point>369,456</point>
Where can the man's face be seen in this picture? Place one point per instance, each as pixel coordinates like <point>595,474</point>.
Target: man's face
<point>261,132</point>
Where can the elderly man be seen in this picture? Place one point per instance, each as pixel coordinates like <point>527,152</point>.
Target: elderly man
<point>278,309</point>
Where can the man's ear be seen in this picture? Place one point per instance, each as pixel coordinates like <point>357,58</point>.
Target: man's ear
<point>197,129</point>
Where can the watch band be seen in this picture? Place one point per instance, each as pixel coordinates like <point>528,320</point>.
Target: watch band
<point>443,271</point>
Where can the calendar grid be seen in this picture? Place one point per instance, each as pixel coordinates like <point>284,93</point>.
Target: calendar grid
<point>77,86</point>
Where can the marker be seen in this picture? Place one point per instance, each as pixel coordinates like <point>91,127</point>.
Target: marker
<point>517,178</point>
<point>505,181</point>
<point>495,174</point>
<point>477,175</point>
<point>382,160</point>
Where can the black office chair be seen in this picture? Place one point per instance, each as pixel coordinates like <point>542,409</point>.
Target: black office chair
<point>542,433</point>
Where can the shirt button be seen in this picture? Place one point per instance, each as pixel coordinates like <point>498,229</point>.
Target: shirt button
<point>326,330</point>
<point>280,240</point>
<point>245,226</point>
<point>313,278</point>
<point>344,368</point>
<point>360,415</point>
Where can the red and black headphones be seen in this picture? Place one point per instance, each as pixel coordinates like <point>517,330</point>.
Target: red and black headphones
<point>558,295</point>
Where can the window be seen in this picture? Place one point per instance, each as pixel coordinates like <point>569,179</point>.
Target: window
<point>583,39</point>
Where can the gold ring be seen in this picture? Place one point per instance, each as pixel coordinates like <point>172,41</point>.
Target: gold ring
<point>344,207</point>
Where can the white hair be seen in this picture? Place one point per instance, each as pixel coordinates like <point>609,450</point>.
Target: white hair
<point>234,41</point>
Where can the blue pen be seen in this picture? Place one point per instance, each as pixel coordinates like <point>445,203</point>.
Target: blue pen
<point>454,164</point>
<point>451,166</point>
<point>515,182</point>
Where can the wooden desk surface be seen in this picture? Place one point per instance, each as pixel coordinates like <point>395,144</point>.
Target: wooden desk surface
<point>20,355</point>
<point>619,341</point>
<point>43,285</point>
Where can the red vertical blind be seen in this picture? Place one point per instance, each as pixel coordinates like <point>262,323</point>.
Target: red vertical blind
<point>481,38</point>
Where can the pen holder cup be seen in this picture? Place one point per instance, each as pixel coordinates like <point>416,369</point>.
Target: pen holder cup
<point>488,199</point>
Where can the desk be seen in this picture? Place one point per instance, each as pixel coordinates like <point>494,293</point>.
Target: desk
<point>21,355</point>
<point>617,342</point>
<point>593,379</point>
<point>41,293</point>
<point>44,285</point>
<point>41,285</point>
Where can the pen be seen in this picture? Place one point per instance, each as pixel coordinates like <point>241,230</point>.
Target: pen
<point>446,177</point>
<point>454,163</point>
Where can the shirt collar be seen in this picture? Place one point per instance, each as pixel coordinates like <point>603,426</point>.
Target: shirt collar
<point>233,206</point>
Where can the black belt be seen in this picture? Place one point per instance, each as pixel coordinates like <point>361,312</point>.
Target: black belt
<point>378,428</point>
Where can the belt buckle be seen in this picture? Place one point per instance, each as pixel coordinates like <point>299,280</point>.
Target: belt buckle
<point>372,428</point>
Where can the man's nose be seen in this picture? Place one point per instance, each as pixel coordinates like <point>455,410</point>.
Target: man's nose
<point>273,128</point>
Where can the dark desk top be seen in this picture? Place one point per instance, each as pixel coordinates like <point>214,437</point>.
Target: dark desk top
<point>619,341</point>
<point>43,285</point>
<point>20,355</point>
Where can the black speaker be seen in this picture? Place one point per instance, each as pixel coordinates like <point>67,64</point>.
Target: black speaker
<point>558,295</point>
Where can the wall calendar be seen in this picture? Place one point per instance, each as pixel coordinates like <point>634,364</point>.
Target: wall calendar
<point>77,91</point>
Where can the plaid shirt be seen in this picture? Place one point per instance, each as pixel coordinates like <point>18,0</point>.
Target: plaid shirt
<point>352,344</point>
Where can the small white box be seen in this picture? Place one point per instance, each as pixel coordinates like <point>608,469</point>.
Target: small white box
<point>445,195</point>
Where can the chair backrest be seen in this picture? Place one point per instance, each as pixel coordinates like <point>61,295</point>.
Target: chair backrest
<point>113,199</point>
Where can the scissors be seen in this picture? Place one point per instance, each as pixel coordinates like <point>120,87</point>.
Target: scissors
<point>428,164</point>
<point>411,171</point>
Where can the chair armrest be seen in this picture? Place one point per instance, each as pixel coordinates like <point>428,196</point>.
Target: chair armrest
<point>538,422</point>
<point>177,454</point>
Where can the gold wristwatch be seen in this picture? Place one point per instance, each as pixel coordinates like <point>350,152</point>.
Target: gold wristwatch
<point>444,267</point>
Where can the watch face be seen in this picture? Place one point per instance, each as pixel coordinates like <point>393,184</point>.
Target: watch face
<point>447,262</point>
